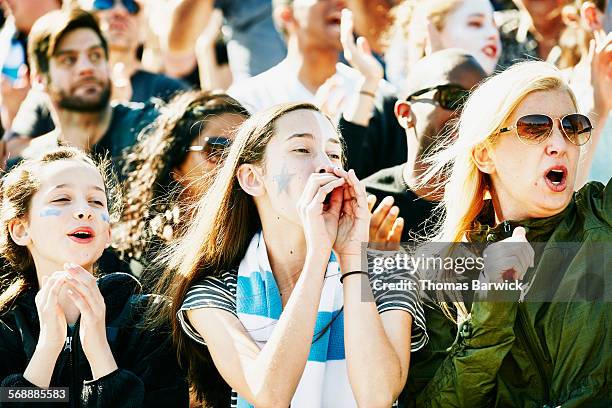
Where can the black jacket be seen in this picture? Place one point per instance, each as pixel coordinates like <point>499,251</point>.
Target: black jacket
<point>148,373</point>
<point>380,145</point>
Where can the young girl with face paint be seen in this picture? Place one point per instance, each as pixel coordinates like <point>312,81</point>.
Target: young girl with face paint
<point>60,326</point>
<point>274,256</point>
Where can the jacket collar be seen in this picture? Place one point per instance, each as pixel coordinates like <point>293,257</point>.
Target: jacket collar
<point>538,229</point>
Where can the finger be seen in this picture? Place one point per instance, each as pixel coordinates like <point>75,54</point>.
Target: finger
<point>385,227</point>
<point>433,38</point>
<point>23,77</point>
<point>364,46</point>
<point>526,253</point>
<point>371,201</point>
<point>53,295</point>
<point>81,288</point>
<point>89,281</point>
<point>81,274</point>
<point>80,303</point>
<point>346,33</point>
<point>340,172</point>
<point>380,212</point>
<point>396,232</point>
<point>87,290</point>
<point>326,189</point>
<point>520,232</point>
<point>359,189</point>
<point>335,202</point>
<point>315,181</point>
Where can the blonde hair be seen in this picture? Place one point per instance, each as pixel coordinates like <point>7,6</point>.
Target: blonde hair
<point>488,107</point>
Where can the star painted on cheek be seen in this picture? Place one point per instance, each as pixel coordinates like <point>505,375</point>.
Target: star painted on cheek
<point>283,179</point>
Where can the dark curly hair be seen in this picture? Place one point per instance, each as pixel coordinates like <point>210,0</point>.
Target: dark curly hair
<point>17,188</point>
<point>151,211</point>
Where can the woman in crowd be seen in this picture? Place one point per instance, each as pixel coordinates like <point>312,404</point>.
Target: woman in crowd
<point>583,56</point>
<point>519,143</point>
<point>60,327</point>
<point>186,142</point>
<point>273,256</point>
<point>432,25</point>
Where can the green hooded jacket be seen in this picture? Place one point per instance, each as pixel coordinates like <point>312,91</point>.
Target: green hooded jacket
<point>547,352</point>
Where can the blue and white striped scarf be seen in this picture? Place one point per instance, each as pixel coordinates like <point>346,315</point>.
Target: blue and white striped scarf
<point>324,382</point>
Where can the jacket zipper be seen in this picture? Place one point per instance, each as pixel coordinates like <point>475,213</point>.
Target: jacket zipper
<point>76,401</point>
<point>531,345</point>
<point>68,349</point>
<point>73,393</point>
<point>533,350</point>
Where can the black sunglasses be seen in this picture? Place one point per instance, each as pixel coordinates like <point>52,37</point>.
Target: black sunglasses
<point>130,5</point>
<point>212,148</point>
<point>534,129</point>
<point>449,97</point>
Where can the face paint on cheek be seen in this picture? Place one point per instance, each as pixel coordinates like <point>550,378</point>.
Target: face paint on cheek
<point>283,180</point>
<point>50,212</point>
<point>105,217</point>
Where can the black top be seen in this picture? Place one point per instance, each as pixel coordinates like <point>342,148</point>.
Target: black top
<point>146,85</point>
<point>416,212</point>
<point>148,373</point>
<point>381,144</point>
<point>126,123</point>
<point>34,119</point>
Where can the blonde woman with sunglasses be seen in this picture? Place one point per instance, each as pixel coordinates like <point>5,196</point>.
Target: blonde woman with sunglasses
<point>511,176</point>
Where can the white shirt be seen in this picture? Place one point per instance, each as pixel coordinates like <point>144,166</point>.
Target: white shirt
<point>280,84</point>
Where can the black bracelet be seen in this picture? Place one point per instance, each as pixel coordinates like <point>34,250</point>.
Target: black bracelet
<point>351,273</point>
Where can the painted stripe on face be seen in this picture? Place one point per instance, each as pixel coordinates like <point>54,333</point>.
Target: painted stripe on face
<point>105,217</point>
<point>50,212</point>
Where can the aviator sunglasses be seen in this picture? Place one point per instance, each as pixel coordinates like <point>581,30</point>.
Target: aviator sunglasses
<point>534,129</point>
<point>212,148</point>
<point>449,96</point>
<point>130,5</point>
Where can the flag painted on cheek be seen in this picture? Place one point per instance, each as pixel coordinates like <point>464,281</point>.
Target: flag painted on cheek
<point>283,179</point>
<point>50,212</point>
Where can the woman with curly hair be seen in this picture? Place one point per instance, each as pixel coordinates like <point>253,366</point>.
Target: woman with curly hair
<point>165,168</point>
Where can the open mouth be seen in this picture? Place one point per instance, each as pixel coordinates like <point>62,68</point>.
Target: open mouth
<point>89,85</point>
<point>82,235</point>
<point>556,178</point>
<point>490,51</point>
<point>333,20</point>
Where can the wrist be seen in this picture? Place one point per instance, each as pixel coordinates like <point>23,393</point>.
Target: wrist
<point>370,85</point>
<point>350,262</point>
<point>48,347</point>
<point>102,362</point>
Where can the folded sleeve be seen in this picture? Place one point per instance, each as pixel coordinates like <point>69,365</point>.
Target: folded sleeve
<point>210,292</point>
<point>398,290</point>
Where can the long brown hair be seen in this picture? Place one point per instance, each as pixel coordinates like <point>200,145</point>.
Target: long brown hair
<point>150,189</point>
<point>225,221</point>
<point>17,188</point>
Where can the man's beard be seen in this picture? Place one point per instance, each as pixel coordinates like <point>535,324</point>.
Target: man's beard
<point>83,105</point>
